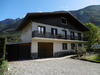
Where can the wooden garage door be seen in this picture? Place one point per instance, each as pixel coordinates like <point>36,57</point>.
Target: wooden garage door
<point>18,51</point>
<point>45,50</point>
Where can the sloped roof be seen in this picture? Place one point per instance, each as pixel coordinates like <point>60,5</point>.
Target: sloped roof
<point>31,16</point>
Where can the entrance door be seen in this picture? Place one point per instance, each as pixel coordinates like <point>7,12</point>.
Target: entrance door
<point>45,50</point>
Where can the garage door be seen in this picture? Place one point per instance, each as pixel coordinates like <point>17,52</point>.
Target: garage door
<point>18,51</point>
<point>45,50</point>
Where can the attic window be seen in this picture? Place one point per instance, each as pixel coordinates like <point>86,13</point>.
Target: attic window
<point>64,20</point>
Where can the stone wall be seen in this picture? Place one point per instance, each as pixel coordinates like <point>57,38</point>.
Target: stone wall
<point>34,55</point>
<point>63,53</point>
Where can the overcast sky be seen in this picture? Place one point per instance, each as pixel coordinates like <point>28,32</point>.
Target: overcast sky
<point>19,8</point>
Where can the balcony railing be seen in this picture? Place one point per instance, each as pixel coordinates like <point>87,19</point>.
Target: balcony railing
<point>58,36</point>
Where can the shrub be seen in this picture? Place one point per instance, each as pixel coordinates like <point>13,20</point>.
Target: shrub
<point>2,48</point>
<point>3,65</point>
<point>80,51</point>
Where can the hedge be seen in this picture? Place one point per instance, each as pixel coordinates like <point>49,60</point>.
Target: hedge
<point>2,48</point>
<point>3,65</point>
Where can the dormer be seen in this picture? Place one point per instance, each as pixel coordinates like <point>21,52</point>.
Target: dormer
<point>64,20</point>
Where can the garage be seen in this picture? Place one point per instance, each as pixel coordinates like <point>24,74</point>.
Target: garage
<point>18,51</point>
<point>45,50</point>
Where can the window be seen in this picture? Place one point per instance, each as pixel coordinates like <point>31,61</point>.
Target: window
<point>64,20</point>
<point>72,46</point>
<point>79,45</point>
<point>72,35</point>
<point>64,46</point>
<point>41,29</point>
<point>64,33</point>
<point>53,31</point>
<point>79,36</point>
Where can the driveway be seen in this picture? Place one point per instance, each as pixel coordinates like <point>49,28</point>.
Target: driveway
<point>53,66</point>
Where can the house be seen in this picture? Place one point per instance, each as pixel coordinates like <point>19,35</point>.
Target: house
<point>51,33</point>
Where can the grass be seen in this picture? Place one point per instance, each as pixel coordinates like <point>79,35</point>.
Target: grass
<point>3,67</point>
<point>92,58</point>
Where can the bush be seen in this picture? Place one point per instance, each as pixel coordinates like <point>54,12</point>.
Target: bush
<point>80,51</point>
<point>3,65</point>
<point>2,48</point>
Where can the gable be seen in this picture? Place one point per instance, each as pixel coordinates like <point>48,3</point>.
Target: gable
<point>54,19</point>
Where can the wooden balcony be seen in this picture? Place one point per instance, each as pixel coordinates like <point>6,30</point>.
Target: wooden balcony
<point>58,36</point>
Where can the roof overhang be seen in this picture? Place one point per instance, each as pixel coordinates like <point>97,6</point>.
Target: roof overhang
<point>31,16</point>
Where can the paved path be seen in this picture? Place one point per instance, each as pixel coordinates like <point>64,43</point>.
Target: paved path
<point>53,66</point>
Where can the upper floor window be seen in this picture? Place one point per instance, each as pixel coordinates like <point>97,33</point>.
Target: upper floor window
<point>64,33</point>
<point>53,31</point>
<point>64,46</point>
<point>72,34</point>
<point>64,20</point>
<point>79,36</point>
<point>41,29</point>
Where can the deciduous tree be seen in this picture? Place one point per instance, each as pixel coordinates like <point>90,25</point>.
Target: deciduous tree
<point>92,35</point>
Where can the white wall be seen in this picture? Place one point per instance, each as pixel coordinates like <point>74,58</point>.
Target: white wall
<point>34,47</point>
<point>26,33</point>
<point>48,28</point>
<point>57,45</point>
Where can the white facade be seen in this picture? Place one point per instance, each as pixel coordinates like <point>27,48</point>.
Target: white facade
<point>26,36</point>
<point>26,33</point>
<point>48,28</point>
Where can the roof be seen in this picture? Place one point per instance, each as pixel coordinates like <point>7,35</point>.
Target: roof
<point>31,16</point>
<point>18,43</point>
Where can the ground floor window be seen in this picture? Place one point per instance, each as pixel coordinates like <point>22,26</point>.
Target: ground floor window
<point>64,46</point>
<point>79,45</point>
<point>72,46</point>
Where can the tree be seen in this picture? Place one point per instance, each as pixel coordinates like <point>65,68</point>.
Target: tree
<point>92,35</point>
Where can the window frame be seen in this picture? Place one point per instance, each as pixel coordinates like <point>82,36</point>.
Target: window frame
<point>73,45</point>
<point>72,35</point>
<point>44,29</point>
<point>79,45</point>
<point>52,31</point>
<point>64,46</point>
<point>65,33</point>
<point>64,19</point>
<point>79,36</point>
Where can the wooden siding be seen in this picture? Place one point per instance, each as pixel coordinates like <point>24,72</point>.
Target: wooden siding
<point>56,21</point>
<point>18,52</point>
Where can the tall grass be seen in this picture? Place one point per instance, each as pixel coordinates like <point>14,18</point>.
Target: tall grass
<point>3,67</point>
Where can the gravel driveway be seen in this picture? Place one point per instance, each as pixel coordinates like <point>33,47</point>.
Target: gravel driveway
<point>53,66</point>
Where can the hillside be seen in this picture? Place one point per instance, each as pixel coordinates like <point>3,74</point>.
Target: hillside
<point>85,15</point>
<point>8,29</point>
<point>88,14</point>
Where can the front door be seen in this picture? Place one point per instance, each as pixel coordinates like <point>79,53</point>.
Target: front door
<point>45,50</point>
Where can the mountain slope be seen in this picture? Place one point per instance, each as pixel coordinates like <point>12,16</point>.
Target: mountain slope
<point>8,29</point>
<point>88,14</point>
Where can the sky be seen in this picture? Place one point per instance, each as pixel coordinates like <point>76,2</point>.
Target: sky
<point>19,8</point>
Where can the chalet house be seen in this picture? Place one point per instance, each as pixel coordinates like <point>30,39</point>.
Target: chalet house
<point>51,33</point>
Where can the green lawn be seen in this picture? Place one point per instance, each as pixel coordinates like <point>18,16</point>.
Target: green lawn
<point>94,58</point>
